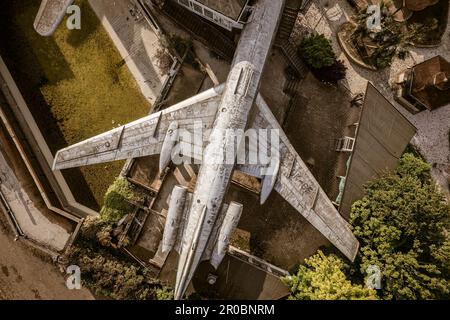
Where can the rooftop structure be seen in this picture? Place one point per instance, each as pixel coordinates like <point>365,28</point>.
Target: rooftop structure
<point>425,86</point>
<point>229,14</point>
<point>382,135</point>
<point>230,8</point>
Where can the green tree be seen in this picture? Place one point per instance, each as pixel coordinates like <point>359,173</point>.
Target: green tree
<point>323,278</point>
<point>317,51</point>
<point>402,225</point>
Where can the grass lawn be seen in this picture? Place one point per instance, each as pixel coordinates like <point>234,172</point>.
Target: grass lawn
<point>75,84</point>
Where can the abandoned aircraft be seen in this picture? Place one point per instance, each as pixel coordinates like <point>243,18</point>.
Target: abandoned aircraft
<point>199,225</point>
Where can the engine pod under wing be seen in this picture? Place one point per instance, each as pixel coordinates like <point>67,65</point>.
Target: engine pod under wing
<point>173,219</point>
<point>229,224</point>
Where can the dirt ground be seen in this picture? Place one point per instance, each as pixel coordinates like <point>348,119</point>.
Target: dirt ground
<point>321,116</point>
<point>26,276</point>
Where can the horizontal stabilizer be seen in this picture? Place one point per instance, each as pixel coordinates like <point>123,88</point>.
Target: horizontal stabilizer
<point>50,15</point>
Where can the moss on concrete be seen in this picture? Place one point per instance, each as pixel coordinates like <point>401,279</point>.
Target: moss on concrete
<point>117,200</point>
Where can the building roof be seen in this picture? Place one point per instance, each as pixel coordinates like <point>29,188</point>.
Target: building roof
<point>431,82</point>
<point>382,136</point>
<point>229,8</point>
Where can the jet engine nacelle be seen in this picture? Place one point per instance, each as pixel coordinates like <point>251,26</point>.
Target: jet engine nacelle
<point>173,219</point>
<point>169,143</point>
<point>227,228</point>
<point>269,180</point>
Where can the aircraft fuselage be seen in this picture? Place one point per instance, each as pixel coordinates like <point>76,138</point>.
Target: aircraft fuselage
<point>237,100</point>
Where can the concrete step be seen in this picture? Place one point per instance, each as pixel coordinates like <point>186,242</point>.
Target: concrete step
<point>290,52</point>
<point>286,25</point>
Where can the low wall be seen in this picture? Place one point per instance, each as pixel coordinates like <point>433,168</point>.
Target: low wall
<point>9,213</point>
<point>40,149</point>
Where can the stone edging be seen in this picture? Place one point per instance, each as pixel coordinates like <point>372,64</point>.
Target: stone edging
<point>343,46</point>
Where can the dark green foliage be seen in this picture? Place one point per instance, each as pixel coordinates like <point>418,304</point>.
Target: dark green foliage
<point>331,74</point>
<point>317,51</point>
<point>318,54</point>
<point>402,225</point>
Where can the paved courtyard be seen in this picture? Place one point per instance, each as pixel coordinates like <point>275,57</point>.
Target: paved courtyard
<point>432,138</point>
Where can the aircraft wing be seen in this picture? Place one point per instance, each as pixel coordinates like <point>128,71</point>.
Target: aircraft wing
<point>147,136</point>
<point>296,184</point>
<point>50,15</point>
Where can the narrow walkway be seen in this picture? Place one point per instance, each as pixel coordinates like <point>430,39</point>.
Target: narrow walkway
<point>20,195</point>
<point>137,43</point>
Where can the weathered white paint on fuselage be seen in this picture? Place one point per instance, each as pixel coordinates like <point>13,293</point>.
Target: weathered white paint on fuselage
<point>237,100</point>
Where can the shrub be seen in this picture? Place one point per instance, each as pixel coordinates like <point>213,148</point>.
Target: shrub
<point>331,74</point>
<point>322,278</point>
<point>317,51</point>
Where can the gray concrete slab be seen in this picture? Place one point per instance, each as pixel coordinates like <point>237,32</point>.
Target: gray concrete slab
<point>137,43</point>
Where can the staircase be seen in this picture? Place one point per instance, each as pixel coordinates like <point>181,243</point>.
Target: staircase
<point>291,55</point>
<point>201,30</point>
<point>286,25</point>
<point>293,101</point>
<point>291,87</point>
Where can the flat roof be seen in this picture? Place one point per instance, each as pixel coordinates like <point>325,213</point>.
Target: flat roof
<point>229,8</point>
<point>424,87</point>
<point>383,135</point>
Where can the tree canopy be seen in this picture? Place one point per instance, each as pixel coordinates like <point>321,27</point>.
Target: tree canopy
<point>317,51</point>
<point>322,278</point>
<point>402,225</point>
